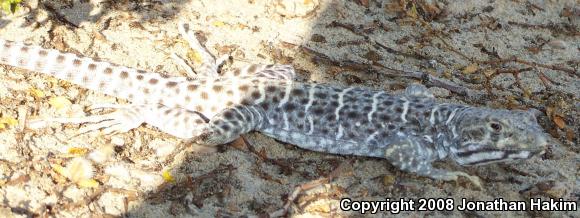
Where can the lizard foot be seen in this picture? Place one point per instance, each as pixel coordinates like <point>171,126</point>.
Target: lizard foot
<point>454,176</point>
<point>208,66</point>
<point>123,119</point>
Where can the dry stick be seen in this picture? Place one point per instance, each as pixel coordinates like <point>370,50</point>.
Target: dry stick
<point>307,186</point>
<point>569,71</point>
<point>428,79</point>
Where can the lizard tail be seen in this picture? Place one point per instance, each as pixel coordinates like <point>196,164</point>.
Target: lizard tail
<point>138,86</point>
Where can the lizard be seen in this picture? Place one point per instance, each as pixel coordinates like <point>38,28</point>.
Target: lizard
<point>410,130</point>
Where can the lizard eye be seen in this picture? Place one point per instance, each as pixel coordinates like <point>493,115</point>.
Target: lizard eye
<point>495,126</point>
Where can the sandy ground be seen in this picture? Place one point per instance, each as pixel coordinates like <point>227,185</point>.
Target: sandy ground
<point>509,54</point>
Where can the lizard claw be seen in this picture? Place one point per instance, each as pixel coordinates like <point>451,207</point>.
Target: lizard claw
<point>473,179</point>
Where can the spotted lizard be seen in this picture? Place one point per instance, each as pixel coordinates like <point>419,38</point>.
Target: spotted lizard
<point>410,130</point>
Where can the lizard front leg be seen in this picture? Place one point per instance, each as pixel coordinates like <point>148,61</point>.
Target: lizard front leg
<point>411,154</point>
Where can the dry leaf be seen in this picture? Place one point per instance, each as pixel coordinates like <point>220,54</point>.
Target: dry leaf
<point>218,23</point>
<point>364,3</point>
<point>6,122</point>
<point>88,183</point>
<point>166,174</point>
<point>59,102</point>
<point>470,69</point>
<point>36,93</point>
<point>559,121</point>
<point>570,135</point>
<point>388,180</point>
<point>77,151</point>
<point>60,170</point>
<point>195,56</point>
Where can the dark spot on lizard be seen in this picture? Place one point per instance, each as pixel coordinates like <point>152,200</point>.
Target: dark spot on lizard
<point>352,114</point>
<point>77,62</point>
<point>92,67</point>
<point>320,95</point>
<point>139,77</point>
<point>297,92</point>
<point>265,105</point>
<point>124,75</point>
<point>244,88</point>
<point>317,111</point>
<point>108,70</point>
<point>256,94</point>
<point>192,87</point>
<point>236,72</point>
<point>171,84</point>
<point>204,95</point>
<point>217,88</point>
<point>270,88</point>
<point>399,110</point>
<point>60,59</point>
<point>42,53</point>
<point>289,107</point>
<point>252,68</point>
<point>246,101</point>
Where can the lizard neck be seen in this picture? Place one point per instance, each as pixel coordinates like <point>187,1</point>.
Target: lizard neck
<point>445,119</point>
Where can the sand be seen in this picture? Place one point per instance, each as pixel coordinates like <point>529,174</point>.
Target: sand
<point>463,42</point>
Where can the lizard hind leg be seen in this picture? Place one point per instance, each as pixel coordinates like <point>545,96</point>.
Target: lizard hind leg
<point>412,155</point>
<point>178,122</point>
<point>229,124</point>
<point>123,119</point>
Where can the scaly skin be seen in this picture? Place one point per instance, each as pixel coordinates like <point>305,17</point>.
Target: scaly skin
<point>410,130</point>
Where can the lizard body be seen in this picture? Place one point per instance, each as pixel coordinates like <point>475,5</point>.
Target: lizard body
<point>411,130</point>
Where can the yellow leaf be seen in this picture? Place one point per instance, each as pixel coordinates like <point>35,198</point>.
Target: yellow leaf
<point>9,121</point>
<point>6,122</point>
<point>77,151</point>
<point>79,169</point>
<point>218,23</point>
<point>195,57</point>
<point>413,12</point>
<point>167,176</point>
<point>36,93</point>
<point>470,69</point>
<point>88,183</point>
<point>59,102</point>
<point>60,170</point>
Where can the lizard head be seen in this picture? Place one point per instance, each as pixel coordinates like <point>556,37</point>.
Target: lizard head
<point>488,135</point>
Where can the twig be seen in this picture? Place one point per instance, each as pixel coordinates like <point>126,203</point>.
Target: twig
<point>61,18</point>
<point>307,186</point>
<point>428,79</point>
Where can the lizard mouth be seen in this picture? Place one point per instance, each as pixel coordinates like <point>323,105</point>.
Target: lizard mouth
<point>487,156</point>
